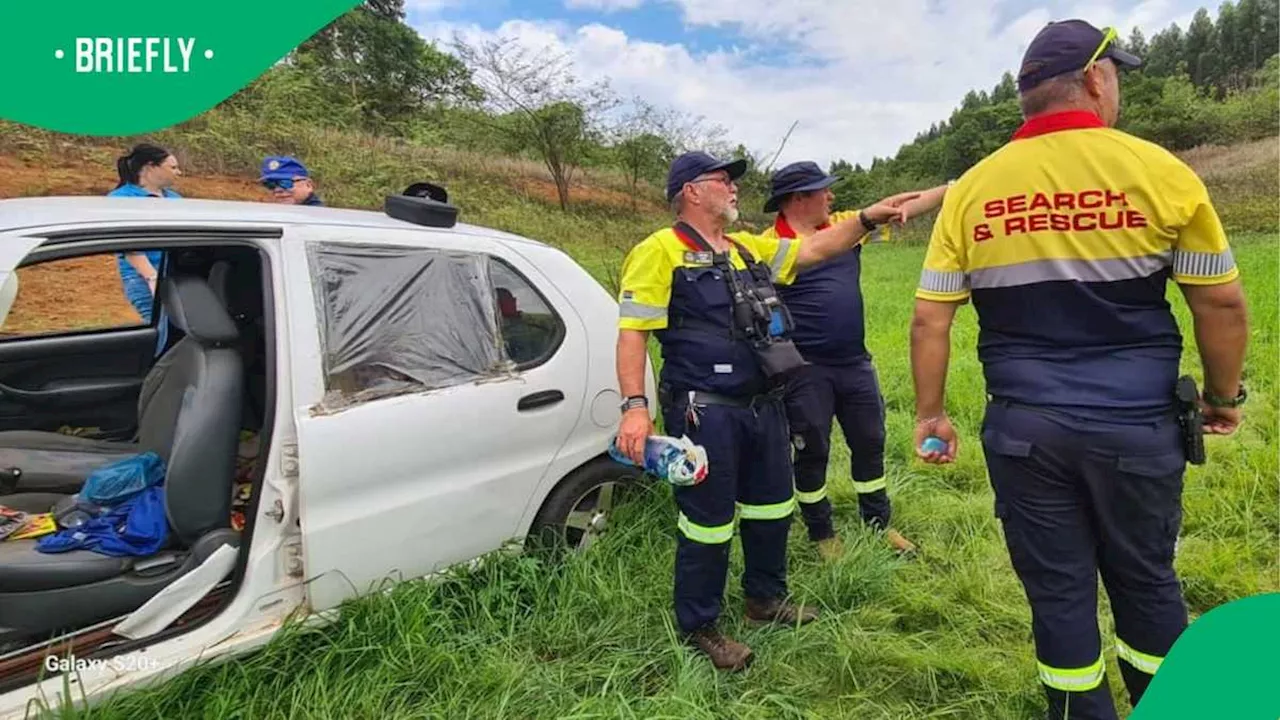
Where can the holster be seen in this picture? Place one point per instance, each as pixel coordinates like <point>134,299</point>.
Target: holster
<point>1190,419</point>
<point>779,360</point>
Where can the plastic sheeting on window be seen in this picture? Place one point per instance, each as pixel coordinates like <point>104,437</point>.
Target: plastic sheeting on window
<point>403,319</point>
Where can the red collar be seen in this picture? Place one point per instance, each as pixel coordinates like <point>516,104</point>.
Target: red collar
<point>784,229</point>
<point>1054,122</point>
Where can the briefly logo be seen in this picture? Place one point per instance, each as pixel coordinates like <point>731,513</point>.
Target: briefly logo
<point>134,54</point>
<point>697,258</point>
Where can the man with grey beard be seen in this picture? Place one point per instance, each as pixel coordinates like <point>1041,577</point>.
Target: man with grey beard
<point>710,298</point>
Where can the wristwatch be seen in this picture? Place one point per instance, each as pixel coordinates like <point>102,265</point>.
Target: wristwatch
<point>635,401</point>
<point>1221,402</point>
<point>866,221</point>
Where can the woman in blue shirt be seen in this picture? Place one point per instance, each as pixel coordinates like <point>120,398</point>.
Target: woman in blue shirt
<point>147,171</point>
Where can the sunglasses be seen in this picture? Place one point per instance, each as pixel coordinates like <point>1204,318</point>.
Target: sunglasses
<point>1109,36</point>
<point>281,184</point>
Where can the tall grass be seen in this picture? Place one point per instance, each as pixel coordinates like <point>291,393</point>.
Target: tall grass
<point>946,635</point>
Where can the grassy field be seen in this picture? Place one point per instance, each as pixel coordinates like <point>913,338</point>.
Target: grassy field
<point>944,635</point>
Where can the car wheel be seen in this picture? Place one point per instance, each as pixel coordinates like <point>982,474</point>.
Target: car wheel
<point>578,511</point>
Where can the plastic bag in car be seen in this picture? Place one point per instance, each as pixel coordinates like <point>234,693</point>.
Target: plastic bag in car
<point>122,479</point>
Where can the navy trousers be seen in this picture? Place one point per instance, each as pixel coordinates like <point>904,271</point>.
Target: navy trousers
<point>749,477</point>
<point>850,394</point>
<point>1077,500</point>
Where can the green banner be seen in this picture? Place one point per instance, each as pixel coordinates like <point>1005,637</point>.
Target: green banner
<point>96,67</point>
<point>1225,665</point>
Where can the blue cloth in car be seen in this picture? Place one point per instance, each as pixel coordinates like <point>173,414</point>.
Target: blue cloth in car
<point>136,527</point>
<point>119,480</point>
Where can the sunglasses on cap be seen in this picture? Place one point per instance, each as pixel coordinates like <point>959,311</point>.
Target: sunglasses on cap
<point>1109,36</point>
<point>285,184</point>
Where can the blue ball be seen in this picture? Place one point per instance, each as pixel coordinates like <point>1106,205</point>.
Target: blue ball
<point>933,443</point>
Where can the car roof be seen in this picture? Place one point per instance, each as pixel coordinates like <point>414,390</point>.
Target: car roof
<point>36,212</point>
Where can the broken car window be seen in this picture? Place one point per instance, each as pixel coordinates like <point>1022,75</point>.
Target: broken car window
<point>403,319</point>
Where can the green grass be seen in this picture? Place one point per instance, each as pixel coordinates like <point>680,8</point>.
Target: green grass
<point>944,636</point>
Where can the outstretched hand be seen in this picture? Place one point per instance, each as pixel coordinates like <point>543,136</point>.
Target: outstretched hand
<point>892,208</point>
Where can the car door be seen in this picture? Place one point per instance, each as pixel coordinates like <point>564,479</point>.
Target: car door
<point>409,483</point>
<point>73,352</point>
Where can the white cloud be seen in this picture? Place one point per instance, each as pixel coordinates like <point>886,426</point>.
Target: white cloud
<point>873,75</point>
<point>603,5</point>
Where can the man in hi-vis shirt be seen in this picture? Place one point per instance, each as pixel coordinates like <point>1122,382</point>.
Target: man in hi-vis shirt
<point>1065,239</point>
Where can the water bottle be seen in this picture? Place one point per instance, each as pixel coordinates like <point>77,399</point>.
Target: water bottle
<point>676,461</point>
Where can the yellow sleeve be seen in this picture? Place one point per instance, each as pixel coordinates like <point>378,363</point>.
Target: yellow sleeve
<point>945,276</point>
<point>1201,253</point>
<point>842,215</point>
<point>646,287</point>
<point>778,253</point>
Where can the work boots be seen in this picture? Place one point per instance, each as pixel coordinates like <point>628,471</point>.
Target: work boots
<point>899,543</point>
<point>782,612</point>
<point>725,652</point>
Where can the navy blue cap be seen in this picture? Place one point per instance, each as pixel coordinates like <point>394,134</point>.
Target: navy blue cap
<point>690,165</point>
<point>802,176</point>
<point>1064,46</point>
<point>282,168</point>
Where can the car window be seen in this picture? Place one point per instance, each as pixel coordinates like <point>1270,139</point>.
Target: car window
<point>88,293</point>
<point>403,319</point>
<point>531,330</point>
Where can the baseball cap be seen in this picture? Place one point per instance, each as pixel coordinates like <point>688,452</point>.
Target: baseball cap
<point>282,168</point>
<point>690,165</point>
<point>797,177</point>
<point>1067,45</point>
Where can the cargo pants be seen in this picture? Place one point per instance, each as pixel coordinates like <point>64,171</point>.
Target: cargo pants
<point>1077,499</point>
<point>850,394</point>
<point>748,484</point>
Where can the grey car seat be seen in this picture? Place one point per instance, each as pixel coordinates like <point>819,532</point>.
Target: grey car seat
<point>194,416</point>
<point>50,462</point>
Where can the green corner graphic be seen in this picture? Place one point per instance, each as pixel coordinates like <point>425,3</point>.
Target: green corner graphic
<point>1225,665</point>
<point>109,68</point>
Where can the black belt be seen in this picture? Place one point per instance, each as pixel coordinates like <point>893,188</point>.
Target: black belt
<point>700,397</point>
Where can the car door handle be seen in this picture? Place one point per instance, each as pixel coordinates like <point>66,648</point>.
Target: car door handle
<point>539,399</point>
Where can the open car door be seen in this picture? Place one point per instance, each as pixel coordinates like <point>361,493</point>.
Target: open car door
<point>450,379</point>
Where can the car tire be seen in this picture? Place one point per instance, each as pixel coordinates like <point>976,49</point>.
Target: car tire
<point>576,514</point>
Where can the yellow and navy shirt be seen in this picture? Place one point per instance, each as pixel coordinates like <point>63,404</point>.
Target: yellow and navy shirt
<point>1064,239</point>
<point>825,301</point>
<point>670,286</point>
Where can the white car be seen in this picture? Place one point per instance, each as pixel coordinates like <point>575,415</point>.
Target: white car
<point>344,399</point>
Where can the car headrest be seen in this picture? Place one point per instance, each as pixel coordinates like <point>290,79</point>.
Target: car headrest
<point>239,289</point>
<point>194,308</point>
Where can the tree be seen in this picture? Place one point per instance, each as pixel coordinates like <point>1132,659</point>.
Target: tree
<point>548,110</point>
<point>1137,43</point>
<point>368,61</point>
<point>648,138</point>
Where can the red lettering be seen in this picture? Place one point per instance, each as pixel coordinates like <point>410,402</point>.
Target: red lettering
<point>1039,223</point>
<point>1040,202</point>
<point>1079,222</point>
<point>1064,201</point>
<point>1018,204</point>
<point>1107,224</point>
<point>1135,219</point>
<point>981,232</point>
<point>993,208</point>
<point>1116,198</point>
<point>1060,222</point>
<point>1090,205</point>
<point>1016,225</point>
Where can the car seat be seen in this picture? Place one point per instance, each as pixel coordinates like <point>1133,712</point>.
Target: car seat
<point>193,420</point>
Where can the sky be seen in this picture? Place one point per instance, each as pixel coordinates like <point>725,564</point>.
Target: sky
<point>860,77</point>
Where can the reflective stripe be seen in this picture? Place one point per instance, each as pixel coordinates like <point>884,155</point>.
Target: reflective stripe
<point>1072,679</point>
<point>1204,265</point>
<point>780,257</point>
<point>707,535</point>
<point>809,498</point>
<point>943,282</point>
<point>869,486</point>
<point>1148,664</point>
<point>633,309</point>
<point>1057,269</point>
<point>776,511</point>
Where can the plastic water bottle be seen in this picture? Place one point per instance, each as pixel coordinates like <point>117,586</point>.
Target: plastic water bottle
<point>676,461</point>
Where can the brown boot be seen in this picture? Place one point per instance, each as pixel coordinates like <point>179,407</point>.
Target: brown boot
<point>782,612</point>
<point>830,549</point>
<point>725,652</point>
<point>899,543</point>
